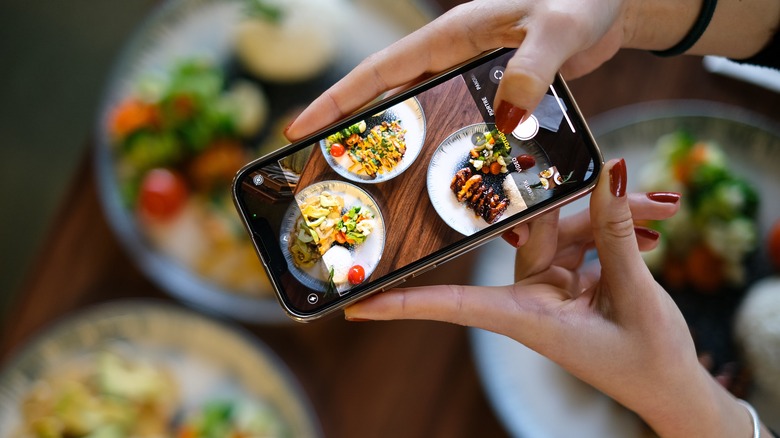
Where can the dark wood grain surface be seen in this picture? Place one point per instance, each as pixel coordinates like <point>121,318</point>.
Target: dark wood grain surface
<point>364,379</point>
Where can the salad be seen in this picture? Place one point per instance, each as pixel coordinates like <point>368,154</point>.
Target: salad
<point>704,246</point>
<point>490,152</point>
<point>326,236</point>
<point>376,152</point>
<point>107,396</point>
<point>323,223</point>
<point>233,419</point>
<point>178,139</point>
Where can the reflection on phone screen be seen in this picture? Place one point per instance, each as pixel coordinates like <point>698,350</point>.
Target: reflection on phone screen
<point>381,194</point>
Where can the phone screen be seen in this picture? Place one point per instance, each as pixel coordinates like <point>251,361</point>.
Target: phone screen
<point>383,194</point>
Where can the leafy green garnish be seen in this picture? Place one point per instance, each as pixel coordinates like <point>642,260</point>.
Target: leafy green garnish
<point>265,10</point>
<point>331,289</point>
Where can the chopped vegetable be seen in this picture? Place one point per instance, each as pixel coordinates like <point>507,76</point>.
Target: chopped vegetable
<point>337,149</point>
<point>377,152</point>
<point>356,275</point>
<point>163,194</point>
<point>490,152</point>
<point>179,139</point>
<point>705,245</point>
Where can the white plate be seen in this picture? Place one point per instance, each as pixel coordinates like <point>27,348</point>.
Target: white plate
<point>412,118</point>
<point>533,397</point>
<point>366,254</point>
<point>453,154</point>
<point>181,29</point>
<point>208,360</point>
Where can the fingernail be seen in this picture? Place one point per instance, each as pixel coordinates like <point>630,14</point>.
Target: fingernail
<point>617,178</point>
<point>664,197</point>
<point>287,128</point>
<point>353,319</point>
<point>511,238</point>
<point>508,117</point>
<point>647,233</point>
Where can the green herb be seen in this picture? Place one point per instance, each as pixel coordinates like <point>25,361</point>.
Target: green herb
<point>331,284</point>
<point>264,10</point>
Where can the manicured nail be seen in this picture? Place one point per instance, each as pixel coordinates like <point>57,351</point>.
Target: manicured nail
<point>647,233</point>
<point>664,197</point>
<point>617,178</point>
<point>287,128</point>
<point>508,117</point>
<point>353,319</point>
<point>511,238</point>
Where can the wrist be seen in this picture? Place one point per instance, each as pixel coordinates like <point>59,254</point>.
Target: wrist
<point>738,29</point>
<point>660,24</point>
<point>702,408</point>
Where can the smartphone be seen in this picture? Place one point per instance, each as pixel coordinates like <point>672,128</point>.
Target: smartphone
<point>407,184</point>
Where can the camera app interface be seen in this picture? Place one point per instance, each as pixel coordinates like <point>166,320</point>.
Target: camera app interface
<point>407,182</point>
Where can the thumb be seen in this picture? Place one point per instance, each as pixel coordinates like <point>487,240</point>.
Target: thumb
<point>528,75</point>
<point>613,230</point>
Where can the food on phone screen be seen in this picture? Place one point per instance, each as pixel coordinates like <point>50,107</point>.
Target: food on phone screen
<point>315,229</point>
<point>525,162</point>
<point>705,245</point>
<point>356,275</point>
<point>490,152</point>
<point>374,151</point>
<point>326,231</point>
<point>480,197</point>
<point>337,149</point>
<point>550,178</point>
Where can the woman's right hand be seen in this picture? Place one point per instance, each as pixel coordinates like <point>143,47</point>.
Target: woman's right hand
<point>574,36</point>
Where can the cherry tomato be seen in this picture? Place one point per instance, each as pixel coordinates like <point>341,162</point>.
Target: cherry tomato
<point>337,149</point>
<point>356,275</point>
<point>773,245</point>
<point>163,194</point>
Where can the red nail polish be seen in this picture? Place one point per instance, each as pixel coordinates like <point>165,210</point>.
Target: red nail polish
<point>618,179</point>
<point>351,319</point>
<point>287,128</point>
<point>511,238</point>
<point>508,117</point>
<point>664,197</point>
<point>647,233</point>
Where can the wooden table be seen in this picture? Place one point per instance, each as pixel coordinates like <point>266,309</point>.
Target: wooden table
<point>364,379</point>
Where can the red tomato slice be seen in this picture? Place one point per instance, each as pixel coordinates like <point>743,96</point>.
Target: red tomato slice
<point>163,194</point>
<point>356,275</point>
<point>337,149</point>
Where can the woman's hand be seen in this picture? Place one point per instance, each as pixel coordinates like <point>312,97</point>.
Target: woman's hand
<point>611,324</point>
<point>574,36</point>
<point>570,36</point>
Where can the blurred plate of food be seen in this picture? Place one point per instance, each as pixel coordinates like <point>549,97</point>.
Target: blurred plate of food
<point>203,87</point>
<point>332,236</point>
<point>141,368</point>
<point>723,160</point>
<point>474,177</point>
<point>379,148</point>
